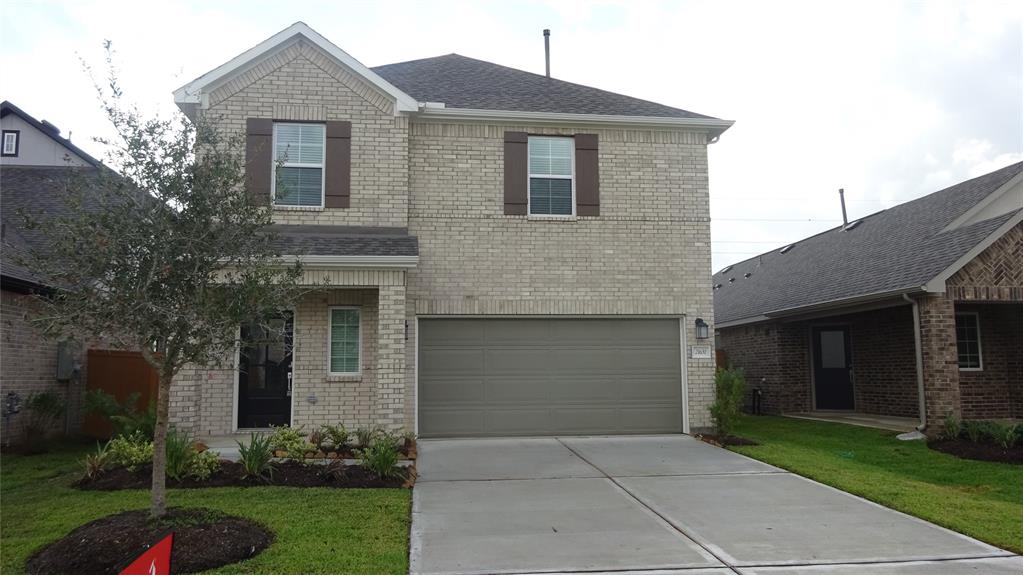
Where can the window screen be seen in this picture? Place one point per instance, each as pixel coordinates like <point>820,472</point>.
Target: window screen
<point>551,176</point>
<point>298,153</point>
<point>344,340</point>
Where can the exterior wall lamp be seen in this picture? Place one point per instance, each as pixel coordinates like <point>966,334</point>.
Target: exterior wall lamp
<point>702,329</point>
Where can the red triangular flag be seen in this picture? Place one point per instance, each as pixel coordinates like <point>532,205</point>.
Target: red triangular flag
<point>155,561</point>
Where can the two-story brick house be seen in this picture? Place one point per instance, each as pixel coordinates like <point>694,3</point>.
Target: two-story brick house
<point>507,253</point>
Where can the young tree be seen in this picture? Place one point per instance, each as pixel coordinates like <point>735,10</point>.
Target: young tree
<point>169,257</point>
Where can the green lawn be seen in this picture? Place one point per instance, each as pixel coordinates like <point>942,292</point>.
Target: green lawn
<point>983,500</point>
<point>318,530</point>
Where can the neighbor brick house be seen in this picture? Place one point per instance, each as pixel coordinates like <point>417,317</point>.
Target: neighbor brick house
<point>507,253</point>
<point>35,165</point>
<point>926,296</point>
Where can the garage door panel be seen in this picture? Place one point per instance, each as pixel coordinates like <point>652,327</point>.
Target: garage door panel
<point>453,390</point>
<point>549,376</point>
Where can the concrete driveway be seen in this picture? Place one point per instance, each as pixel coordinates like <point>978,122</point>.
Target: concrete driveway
<point>658,505</point>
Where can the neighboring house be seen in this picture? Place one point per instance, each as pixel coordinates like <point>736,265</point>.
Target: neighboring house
<point>35,165</point>
<point>508,254</point>
<point>927,295</point>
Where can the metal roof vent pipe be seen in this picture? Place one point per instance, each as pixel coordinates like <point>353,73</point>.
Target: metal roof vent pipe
<point>841,196</point>
<point>547,49</point>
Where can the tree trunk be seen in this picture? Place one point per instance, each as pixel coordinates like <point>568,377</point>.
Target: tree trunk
<point>158,492</point>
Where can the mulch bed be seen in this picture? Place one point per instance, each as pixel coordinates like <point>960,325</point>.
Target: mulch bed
<point>203,539</point>
<point>231,474</point>
<point>728,441</point>
<point>965,449</point>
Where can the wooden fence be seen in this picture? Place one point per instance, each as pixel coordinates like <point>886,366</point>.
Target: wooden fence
<point>119,373</point>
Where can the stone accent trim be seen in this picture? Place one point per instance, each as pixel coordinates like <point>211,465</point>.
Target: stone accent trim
<point>996,274</point>
<point>941,363</point>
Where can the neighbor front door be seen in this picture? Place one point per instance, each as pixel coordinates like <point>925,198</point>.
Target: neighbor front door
<point>264,374</point>
<point>832,368</point>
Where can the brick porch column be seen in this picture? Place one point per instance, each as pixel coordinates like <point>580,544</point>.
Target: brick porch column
<point>390,397</point>
<point>941,360</point>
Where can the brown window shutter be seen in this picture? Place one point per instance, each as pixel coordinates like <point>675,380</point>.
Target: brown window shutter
<point>259,134</point>
<point>516,174</point>
<point>587,176</point>
<point>337,191</point>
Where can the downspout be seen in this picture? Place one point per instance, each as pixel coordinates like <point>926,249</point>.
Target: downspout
<point>919,363</point>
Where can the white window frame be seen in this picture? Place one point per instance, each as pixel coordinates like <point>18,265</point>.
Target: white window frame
<point>322,166</point>
<point>15,137</point>
<point>330,334</point>
<point>530,175</point>
<point>980,346</point>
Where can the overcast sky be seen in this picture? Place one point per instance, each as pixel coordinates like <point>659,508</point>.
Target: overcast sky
<point>890,100</point>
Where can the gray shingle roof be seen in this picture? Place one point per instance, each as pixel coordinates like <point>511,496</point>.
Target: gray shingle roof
<point>344,241</point>
<point>900,248</point>
<point>461,82</point>
<point>38,191</point>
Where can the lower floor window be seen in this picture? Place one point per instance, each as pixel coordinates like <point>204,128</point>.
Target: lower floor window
<point>344,340</point>
<point>968,340</point>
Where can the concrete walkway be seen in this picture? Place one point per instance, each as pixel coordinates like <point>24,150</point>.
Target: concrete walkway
<point>658,505</point>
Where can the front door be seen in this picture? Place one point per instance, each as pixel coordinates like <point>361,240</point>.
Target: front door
<point>832,368</point>
<point>264,374</point>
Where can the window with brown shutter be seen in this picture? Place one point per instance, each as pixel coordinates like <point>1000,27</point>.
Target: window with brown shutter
<point>587,176</point>
<point>338,182</point>
<point>515,173</point>
<point>258,159</point>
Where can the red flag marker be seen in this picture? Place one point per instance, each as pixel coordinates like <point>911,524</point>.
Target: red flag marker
<point>155,561</point>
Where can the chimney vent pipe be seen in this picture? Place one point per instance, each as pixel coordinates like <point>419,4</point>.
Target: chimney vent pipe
<point>845,219</point>
<point>547,49</point>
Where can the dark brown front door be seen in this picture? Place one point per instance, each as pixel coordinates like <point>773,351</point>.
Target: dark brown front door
<point>832,368</point>
<point>264,375</point>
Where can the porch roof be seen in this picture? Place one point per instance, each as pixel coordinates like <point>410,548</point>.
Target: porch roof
<point>305,240</point>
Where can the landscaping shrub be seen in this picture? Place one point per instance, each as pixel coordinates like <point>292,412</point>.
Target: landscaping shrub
<point>257,457</point>
<point>179,454</point>
<point>337,437</point>
<point>96,463</point>
<point>125,418</point>
<point>44,410</point>
<point>291,441</point>
<point>203,465</point>
<point>1005,435</point>
<point>974,429</point>
<point>381,457</point>
<point>952,427</point>
<point>366,435</point>
<point>730,389</point>
<point>131,451</point>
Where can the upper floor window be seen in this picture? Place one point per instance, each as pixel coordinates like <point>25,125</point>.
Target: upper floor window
<point>299,153</point>
<point>551,176</point>
<point>968,341</point>
<point>10,143</point>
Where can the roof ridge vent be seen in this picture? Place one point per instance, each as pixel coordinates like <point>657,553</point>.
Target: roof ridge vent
<point>786,249</point>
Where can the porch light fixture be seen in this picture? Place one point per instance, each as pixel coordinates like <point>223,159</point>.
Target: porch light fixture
<point>702,329</point>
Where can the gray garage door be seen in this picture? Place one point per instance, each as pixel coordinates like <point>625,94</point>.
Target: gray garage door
<point>500,377</point>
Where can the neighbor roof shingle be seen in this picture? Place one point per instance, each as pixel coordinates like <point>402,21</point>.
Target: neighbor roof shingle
<point>900,248</point>
<point>461,82</point>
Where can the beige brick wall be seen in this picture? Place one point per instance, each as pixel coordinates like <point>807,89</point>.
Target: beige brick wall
<point>28,364</point>
<point>648,253</point>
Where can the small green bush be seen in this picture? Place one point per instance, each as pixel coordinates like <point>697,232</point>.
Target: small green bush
<point>125,418</point>
<point>381,457</point>
<point>1002,434</point>
<point>291,441</point>
<point>336,437</point>
<point>203,465</point>
<point>366,435</point>
<point>132,451</point>
<point>730,390</point>
<point>180,452</point>
<point>974,429</point>
<point>952,426</point>
<point>96,463</point>
<point>257,457</point>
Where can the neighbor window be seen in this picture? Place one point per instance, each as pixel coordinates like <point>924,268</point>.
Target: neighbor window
<point>10,144</point>
<point>968,341</point>
<point>344,340</point>
<point>551,176</point>
<point>298,153</point>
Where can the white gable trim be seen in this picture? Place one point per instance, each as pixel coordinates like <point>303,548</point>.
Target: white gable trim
<point>193,95</point>
<point>713,126</point>
<point>937,285</point>
<point>1015,185</point>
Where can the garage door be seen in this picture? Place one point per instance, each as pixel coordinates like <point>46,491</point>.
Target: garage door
<point>501,377</point>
